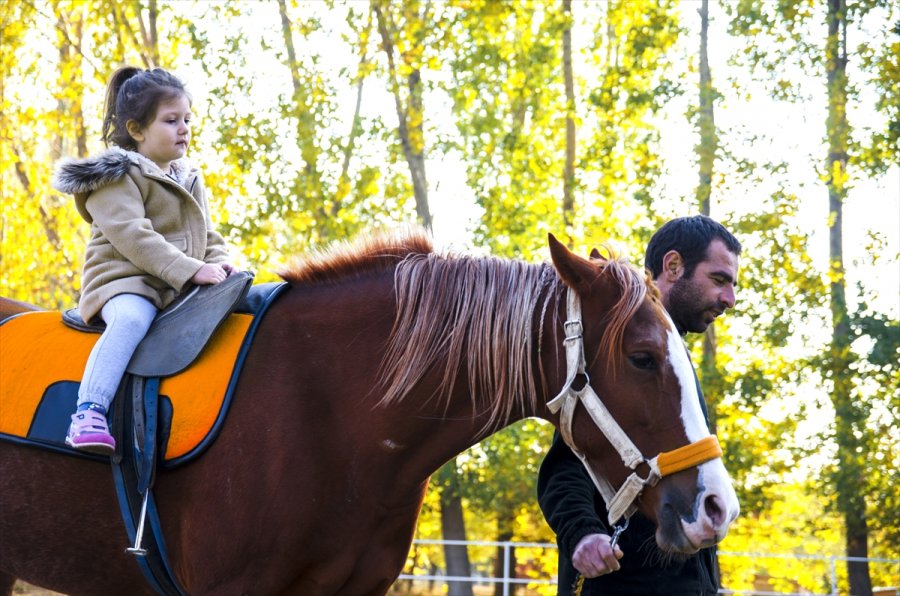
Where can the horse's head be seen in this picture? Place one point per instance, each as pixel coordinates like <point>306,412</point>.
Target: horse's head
<point>629,375</point>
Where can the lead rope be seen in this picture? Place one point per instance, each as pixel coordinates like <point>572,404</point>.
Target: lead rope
<point>617,533</point>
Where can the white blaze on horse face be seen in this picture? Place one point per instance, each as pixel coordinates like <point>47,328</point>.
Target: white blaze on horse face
<point>716,505</point>
<point>691,413</point>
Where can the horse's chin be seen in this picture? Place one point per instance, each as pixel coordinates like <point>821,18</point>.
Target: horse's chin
<point>671,537</point>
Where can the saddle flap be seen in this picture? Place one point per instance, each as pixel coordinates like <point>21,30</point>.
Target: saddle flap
<point>180,332</point>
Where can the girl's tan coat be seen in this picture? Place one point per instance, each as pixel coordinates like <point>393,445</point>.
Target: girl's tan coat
<point>149,233</point>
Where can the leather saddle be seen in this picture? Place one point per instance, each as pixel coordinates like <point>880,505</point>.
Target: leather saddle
<point>182,329</point>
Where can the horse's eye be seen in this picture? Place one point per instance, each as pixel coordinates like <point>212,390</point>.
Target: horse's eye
<point>643,361</point>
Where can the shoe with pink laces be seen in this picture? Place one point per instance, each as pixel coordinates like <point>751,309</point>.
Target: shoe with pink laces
<point>89,431</point>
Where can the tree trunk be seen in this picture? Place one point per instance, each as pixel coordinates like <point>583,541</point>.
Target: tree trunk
<point>148,31</point>
<point>306,126</point>
<point>850,419</point>
<point>568,206</point>
<point>71,51</point>
<point>504,557</point>
<point>343,188</point>
<point>706,150</point>
<point>410,119</point>
<point>706,159</point>
<point>148,44</point>
<point>453,527</point>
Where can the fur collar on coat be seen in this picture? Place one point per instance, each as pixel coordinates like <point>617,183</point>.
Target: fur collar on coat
<point>81,177</point>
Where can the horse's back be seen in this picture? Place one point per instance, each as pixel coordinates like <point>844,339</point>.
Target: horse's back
<point>10,307</point>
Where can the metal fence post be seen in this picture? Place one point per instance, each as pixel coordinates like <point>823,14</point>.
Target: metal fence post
<point>506,569</point>
<point>834,587</point>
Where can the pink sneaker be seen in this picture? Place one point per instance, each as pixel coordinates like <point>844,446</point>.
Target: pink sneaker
<point>89,431</point>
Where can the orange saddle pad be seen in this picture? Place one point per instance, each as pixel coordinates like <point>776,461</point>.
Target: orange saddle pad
<point>39,354</point>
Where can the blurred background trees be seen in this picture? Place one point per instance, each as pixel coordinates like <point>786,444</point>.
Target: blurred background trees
<point>492,123</point>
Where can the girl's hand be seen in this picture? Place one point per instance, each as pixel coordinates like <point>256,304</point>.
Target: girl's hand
<point>209,274</point>
<point>230,269</point>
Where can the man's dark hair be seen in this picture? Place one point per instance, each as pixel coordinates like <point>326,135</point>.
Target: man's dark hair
<point>690,236</point>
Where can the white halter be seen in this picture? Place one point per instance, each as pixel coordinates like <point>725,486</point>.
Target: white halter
<point>618,503</point>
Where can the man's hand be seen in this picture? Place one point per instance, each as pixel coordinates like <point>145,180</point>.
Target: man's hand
<point>594,556</point>
<point>210,273</point>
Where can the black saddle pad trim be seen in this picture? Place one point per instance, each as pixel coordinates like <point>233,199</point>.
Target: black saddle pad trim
<point>51,422</point>
<point>55,447</point>
<point>53,415</point>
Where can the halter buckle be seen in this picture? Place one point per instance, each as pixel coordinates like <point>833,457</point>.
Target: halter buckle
<point>576,333</point>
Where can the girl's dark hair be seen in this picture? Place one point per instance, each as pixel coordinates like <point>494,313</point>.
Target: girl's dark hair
<point>135,94</point>
<point>690,236</point>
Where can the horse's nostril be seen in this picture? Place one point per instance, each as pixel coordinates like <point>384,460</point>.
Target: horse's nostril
<point>714,510</point>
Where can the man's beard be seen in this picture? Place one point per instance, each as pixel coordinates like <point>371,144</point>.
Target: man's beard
<point>690,311</point>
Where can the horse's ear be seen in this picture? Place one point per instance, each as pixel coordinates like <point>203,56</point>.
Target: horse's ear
<point>573,270</point>
<point>595,254</point>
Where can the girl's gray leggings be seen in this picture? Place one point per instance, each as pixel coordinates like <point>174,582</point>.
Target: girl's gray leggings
<point>127,318</point>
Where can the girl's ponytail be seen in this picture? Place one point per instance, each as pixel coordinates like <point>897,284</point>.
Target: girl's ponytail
<point>110,126</point>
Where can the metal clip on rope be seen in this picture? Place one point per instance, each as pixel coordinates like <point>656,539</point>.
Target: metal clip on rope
<point>617,533</point>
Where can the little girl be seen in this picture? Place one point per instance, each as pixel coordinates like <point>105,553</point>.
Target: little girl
<point>151,233</point>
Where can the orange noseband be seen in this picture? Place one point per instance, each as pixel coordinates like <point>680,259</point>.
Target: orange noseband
<point>689,456</point>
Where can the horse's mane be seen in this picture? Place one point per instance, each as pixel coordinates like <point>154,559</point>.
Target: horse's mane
<point>481,312</point>
<point>475,311</point>
<point>635,287</point>
<point>373,252</point>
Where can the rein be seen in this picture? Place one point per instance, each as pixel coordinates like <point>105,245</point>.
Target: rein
<point>619,503</point>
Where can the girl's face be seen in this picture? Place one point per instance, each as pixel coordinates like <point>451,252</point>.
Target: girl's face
<point>166,138</point>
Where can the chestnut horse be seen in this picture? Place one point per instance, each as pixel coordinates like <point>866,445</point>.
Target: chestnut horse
<point>380,362</point>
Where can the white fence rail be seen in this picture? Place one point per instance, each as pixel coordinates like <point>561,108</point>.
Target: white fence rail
<point>510,582</point>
